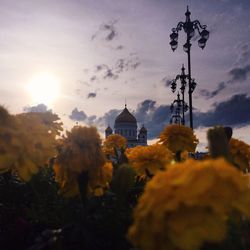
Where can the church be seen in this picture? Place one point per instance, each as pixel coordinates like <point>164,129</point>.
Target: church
<point>126,126</point>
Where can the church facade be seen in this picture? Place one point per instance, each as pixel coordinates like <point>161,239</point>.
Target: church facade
<point>126,126</point>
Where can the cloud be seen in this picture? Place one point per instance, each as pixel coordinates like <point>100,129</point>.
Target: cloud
<point>167,81</point>
<point>109,74</point>
<point>77,115</point>
<point>210,94</point>
<point>91,95</point>
<point>154,117</point>
<point>108,30</point>
<point>232,112</point>
<point>40,108</point>
<point>120,47</point>
<point>239,74</point>
<point>121,65</point>
<point>101,122</point>
<point>93,78</point>
<point>244,54</point>
<point>101,67</point>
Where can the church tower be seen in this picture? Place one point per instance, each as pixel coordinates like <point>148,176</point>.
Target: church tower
<point>142,136</point>
<point>108,131</point>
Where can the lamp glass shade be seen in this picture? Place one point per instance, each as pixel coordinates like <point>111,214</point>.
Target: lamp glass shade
<point>205,34</point>
<point>173,45</point>
<point>202,42</point>
<point>174,36</point>
<point>186,47</point>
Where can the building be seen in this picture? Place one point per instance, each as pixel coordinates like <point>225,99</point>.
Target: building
<point>126,125</point>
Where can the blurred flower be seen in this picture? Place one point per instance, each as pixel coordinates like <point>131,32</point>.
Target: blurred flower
<point>189,204</point>
<point>240,154</point>
<point>218,142</point>
<point>149,159</point>
<point>114,143</point>
<point>102,181</point>
<point>27,141</point>
<point>79,151</point>
<point>178,138</point>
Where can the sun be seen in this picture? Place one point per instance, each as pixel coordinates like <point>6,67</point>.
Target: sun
<point>44,88</point>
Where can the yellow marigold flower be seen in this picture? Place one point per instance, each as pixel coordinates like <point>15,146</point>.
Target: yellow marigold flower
<point>240,154</point>
<point>113,142</point>
<point>27,141</point>
<point>149,159</point>
<point>80,151</point>
<point>189,204</point>
<point>178,138</point>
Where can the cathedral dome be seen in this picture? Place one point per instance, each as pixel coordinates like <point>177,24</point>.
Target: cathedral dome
<point>125,117</point>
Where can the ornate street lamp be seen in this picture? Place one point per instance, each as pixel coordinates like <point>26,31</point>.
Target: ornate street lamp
<point>175,110</point>
<point>183,77</point>
<point>190,28</point>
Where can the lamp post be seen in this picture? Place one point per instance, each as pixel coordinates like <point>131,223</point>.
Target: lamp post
<point>176,111</point>
<point>182,77</point>
<point>189,27</point>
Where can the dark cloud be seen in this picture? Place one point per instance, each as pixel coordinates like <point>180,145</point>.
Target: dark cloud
<point>40,108</point>
<point>91,95</point>
<point>154,117</point>
<point>120,47</point>
<point>107,119</point>
<point>126,64</point>
<point>77,115</point>
<point>108,30</point>
<point>167,81</point>
<point>104,71</point>
<point>109,74</point>
<point>91,119</point>
<point>239,74</point>
<point>101,67</point>
<point>232,112</point>
<point>93,78</point>
<point>244,54</point>
<point>210,94</point>
<point>144,109</point>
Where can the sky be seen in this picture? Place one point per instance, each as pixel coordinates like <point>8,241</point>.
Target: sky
<point>105,51</point>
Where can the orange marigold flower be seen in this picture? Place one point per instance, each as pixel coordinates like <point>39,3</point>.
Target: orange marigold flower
<point>240,154</point>
<point>178,138</point>
<point>27,141</point>
<point>149,159</point>
<point>112,143</point>
<point>80,151</point>
<point>189,204</point>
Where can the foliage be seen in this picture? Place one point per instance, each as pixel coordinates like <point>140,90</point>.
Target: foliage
<point>189,204</point>
<point>148,160</point>
<point>240,154</point>
<point>79,152</point>
<point>27,141</point>
<point>114,143</point>
<point>178,138</point>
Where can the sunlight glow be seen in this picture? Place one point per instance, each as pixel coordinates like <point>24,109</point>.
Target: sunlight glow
<point>44,88</point>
